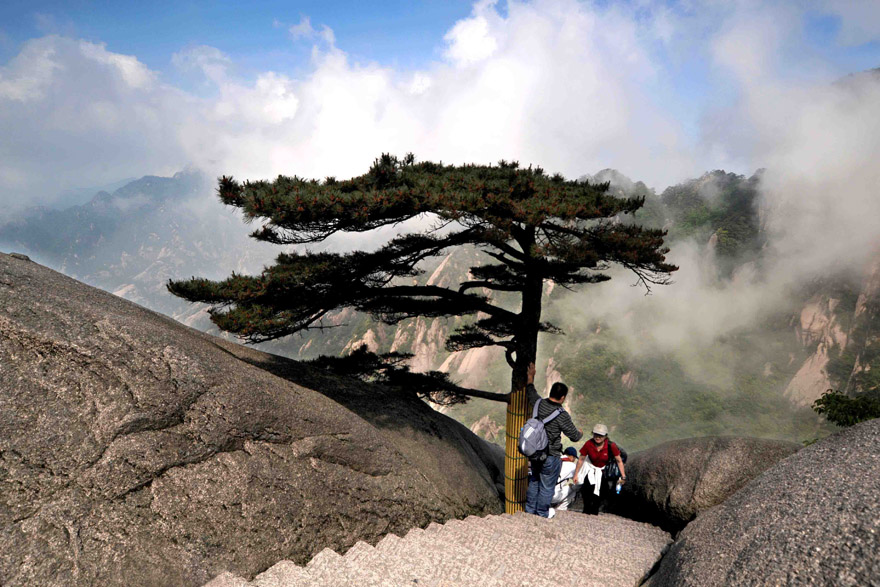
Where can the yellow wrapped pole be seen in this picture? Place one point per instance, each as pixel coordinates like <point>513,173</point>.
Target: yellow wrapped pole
<point>516,466</point>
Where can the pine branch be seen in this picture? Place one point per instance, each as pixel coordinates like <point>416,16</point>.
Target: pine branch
<point>536,227</point>
<point>389,369</point>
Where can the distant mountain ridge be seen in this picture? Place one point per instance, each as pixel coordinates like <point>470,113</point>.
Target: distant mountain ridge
<point>132,241</point>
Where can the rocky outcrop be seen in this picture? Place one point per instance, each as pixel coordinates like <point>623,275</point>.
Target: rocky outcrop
<point>844,336</point>
<point>811,519</point>
<point>487,428</point>
<point>866,332</point>
<point>136,451</point>
<point>671,483</point>
<point>817,327</point>
<point>441,449</point>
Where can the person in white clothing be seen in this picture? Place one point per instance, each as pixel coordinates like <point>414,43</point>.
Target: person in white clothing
<point>566,488</point>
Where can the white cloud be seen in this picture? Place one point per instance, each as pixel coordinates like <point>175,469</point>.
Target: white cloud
<point>859,19</point>
<point>568,85</point>
<point>555,83</point>
<point>818,140</point>
<point>822,180</point>
<point>470,40</point>
<point>30,74</point>
<point>304,30</point>
<point>301,30</point>
<point>210,61</point>
<point>73,113</point>
<point>133,72</point>
<point>749,46</point>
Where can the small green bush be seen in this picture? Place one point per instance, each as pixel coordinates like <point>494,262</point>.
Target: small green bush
<point>847,411</point>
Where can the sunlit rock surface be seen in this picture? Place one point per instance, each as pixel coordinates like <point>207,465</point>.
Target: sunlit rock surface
<point>136,451</point>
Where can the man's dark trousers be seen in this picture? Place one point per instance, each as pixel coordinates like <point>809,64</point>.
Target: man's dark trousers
<point>542,485</point>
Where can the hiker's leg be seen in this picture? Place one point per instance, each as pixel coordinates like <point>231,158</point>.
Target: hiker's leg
<point>549,475</point>
<point>532,489</point>
<point>569,498</point>
<point>591,500</point>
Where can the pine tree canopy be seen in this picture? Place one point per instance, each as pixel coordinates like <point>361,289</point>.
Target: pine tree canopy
<point>534,226</point>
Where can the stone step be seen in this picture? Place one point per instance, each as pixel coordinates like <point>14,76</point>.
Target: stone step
<point>387,568</point>
<point>227,579</point>
<point>330,569</point>
<point>568,538</point>
<point>326,568</point>
<point>491,543</point>
<point>388,541</point>
<point>606,522</point>
<point>562,545</point>
<point>441,556</point>
<point>283,574</point>
<point>492,551</point>
<point>493,547</point>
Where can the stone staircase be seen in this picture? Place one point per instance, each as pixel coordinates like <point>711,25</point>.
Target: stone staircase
<point>495,551</point>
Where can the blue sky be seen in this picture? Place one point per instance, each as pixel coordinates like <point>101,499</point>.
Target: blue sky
<point>661,90</point>
<point>398,32</point>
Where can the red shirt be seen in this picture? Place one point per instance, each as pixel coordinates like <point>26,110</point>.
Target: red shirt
<point>599,457</point>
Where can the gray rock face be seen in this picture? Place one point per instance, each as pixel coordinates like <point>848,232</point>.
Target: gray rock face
<point>812,519</point>
<point>671,483</point>
<point>136,451</point>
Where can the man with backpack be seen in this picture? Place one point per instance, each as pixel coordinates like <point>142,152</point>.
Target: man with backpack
<point>546,463</point>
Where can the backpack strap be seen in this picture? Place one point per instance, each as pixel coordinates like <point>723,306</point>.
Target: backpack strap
<point>551,416</point>
<point>548,418</point>
<point>608,444</point>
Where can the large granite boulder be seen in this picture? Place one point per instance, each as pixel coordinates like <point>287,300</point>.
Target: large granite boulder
<point>812,519</point>
<point>671,483</point>
<point>136,451</point>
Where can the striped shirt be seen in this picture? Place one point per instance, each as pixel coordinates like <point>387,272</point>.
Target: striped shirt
<point>556,426</point>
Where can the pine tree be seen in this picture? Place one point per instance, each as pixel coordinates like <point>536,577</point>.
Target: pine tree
<point>535,228</point>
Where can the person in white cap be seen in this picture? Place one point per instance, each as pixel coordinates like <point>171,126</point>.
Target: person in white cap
<point>595,454</point>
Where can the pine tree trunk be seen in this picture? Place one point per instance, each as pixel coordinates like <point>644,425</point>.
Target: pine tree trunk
<point>516,466</point>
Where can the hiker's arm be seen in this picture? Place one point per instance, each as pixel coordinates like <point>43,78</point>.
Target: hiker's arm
<point>577,468</point>
<point>568,427</point>
<point>531,392</point>
<point>622,469</point>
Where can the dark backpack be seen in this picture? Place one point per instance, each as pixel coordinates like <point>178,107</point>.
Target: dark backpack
<point>533,441</point>
<point>611,471</point>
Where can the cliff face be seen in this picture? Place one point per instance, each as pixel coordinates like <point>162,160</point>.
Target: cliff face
<point>842,331</point>
<point>865,335</point>
<point>818,328</point>
<point>135,449</point>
